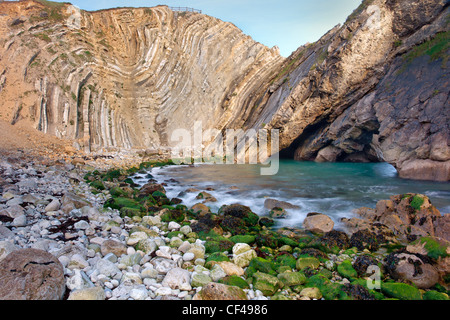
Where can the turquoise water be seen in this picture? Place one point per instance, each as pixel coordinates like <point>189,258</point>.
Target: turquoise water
<point>335,189</point>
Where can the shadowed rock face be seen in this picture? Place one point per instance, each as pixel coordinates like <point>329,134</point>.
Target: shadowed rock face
<point>373,89</point>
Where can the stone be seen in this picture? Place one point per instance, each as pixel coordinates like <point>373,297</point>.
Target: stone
<point>411,268</point>
<point>95,293</point>
<point>163,265</point>
<point>173,226</point>
<point>135,237</point>
<point>243,254</point>
<point>53,206</point>
<point>292,278</point>
<point>312,293</point>
<point>231,268</point>
<point>41,276</point>
<point>13,211</point>
<point>219,291</point>
<point>139,293</point>
<point>176,278</point>
<point>200,280</point>
<point>217,273</point>
<point>307,262</point>
<point>107,268</point>
<point>5,234</point>
<point>318,223</point>
<point>273,203</point>
<point>266,283</point>
<point>131,259</point>
<point>200,209</point>
<point>20,221</point>
<point>400,291</point>
<point>113,246</point>
<point>6,247</point>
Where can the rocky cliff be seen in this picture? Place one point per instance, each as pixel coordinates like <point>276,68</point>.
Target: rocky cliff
<point>374,89</point>
<point>125,77</point>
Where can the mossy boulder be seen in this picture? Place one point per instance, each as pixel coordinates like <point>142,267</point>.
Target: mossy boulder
<point>330,290</point>
<point>234,225</point>
<point>97,184</point>
<point>173,215</point>
<point>365,239</point>
<point>266,222</point>
<point>292,278</point>
<point>434,248</point>
<point>287,241</point>
<point>242,212</point>
<point>236,281</point>
<point>130,212</point>
<point>267,239</point>
<point>218,245</point>
<point>400,291</point>
<point>216,257</point>
<point>259,264</point>
<point>266,283</point>
<point>118,192</point>
<point>346,270</point>
<point>307,262</point>
<point>286,260</point>
<point>121,202</point>
<point>332,242</point>
<point>249,239</point>
<point>435,295</point>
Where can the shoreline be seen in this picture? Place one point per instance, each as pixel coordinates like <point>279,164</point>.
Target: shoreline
<point>153,248</point>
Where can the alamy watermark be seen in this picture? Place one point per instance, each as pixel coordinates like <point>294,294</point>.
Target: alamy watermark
<point>230,146</point>
<point>374,279</point>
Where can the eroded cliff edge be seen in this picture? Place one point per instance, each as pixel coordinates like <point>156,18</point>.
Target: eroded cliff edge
<point>374,89</point>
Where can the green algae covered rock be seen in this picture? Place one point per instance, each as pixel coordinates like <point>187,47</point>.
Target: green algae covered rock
<point>236,281</point>
<point>307,262</point>
<point>346,270</point>
<point>266,283</point>
<point>401,291</point>
<point>292,278</point>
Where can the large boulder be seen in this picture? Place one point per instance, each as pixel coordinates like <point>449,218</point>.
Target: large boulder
<point>411,268</point>
<point>31,274</point>
<point>318,223</point>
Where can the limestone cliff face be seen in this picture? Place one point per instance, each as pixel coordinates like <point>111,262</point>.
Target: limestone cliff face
<point>374,89</point>
<point>124,77</point>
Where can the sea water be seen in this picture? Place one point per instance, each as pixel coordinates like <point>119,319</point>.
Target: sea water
<point>335,189</point>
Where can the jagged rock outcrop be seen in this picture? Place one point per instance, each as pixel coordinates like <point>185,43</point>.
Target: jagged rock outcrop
<point>124,77</point>
<point>374,89</point>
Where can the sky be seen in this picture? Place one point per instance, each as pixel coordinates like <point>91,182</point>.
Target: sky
<point>287,24</point>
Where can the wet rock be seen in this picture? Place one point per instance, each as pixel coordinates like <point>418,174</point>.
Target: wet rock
<point>362,263</point>
<point>273,203</point>
<point>364,239</point>
<point>241,212</point>
<point>31,274</point>
<point>150,188</point>
<point>318,223</point>
<point>409,267</point>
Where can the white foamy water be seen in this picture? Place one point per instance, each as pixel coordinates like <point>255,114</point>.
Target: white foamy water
<point>335,189</point>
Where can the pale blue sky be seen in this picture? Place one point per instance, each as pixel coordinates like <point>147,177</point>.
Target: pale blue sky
<point>285,23</point>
